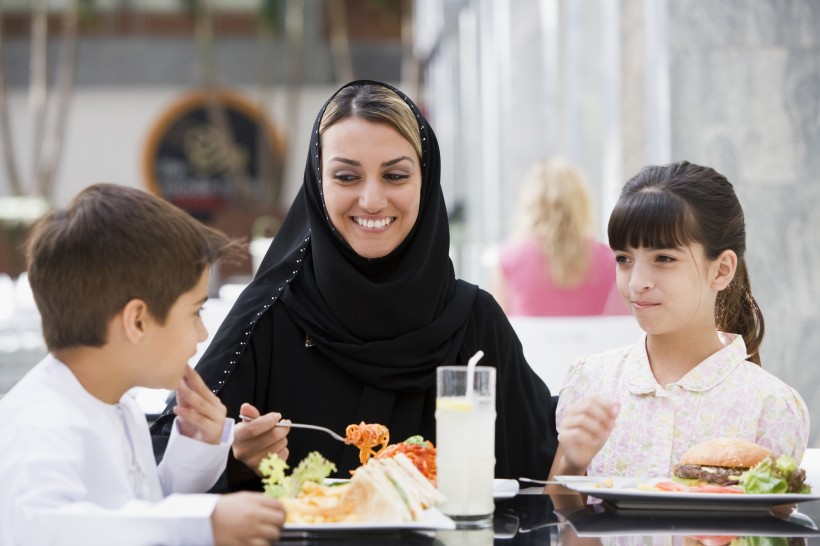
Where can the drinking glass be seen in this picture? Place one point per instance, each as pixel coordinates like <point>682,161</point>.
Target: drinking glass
<point>465,537</point>
<point>465,444</point>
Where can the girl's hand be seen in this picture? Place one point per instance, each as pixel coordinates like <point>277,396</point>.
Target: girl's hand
<point>255,440</point>
<point>584,430</point>
<point>200,413</point>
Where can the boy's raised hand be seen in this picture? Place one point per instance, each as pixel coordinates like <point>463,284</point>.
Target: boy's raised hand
<point>257,439</point>
<point>247,518</point>
<point>200,413</point>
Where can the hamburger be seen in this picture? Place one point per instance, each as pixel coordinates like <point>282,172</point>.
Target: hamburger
<point>732,461</point>
<point>719,462</point>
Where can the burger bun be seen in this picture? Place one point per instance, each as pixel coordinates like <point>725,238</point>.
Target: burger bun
<point>726,453</point>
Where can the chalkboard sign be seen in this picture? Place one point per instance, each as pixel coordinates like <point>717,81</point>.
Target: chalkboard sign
<point>212,150</point>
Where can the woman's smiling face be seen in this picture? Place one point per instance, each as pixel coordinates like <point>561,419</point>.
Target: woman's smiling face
<point>371,181</point>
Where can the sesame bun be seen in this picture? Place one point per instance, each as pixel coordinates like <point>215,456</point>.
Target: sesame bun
<point>726,452</point>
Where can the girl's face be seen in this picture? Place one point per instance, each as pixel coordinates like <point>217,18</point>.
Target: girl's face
<point>668,290</point>
<point>371,182</point>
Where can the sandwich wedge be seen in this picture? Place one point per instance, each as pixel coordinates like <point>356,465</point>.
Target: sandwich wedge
<point>391,489</point>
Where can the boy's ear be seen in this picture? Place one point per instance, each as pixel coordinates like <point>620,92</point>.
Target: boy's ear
<point>725,267</point>
<point>134,320</point>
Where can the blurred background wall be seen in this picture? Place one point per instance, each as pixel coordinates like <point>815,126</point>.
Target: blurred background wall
<point>615,85</point>
<point>610,84</point>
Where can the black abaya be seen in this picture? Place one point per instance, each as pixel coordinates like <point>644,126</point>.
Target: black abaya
<point>327,337</point>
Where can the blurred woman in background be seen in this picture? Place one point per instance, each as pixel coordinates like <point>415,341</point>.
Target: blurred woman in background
<point>554,266</point>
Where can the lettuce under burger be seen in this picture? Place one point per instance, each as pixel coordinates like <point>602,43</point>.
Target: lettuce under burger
<point>775,475</point>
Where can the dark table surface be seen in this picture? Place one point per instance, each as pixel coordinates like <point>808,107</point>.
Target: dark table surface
<point>529,519</point>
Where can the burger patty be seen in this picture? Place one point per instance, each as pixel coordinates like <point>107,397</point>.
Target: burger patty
<point>712,474</point>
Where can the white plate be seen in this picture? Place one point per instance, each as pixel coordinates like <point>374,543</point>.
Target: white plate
<point>433,519</point>
<point>502,489</point>
<point>505,489</point>
<point>624,494</point>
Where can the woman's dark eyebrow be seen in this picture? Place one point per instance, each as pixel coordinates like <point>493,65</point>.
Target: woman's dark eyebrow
<point>394,161</point>
<point>352,162</point>
<point>355,163</point>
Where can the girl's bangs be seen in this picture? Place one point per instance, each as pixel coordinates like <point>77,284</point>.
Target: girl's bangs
<point>649,219</point>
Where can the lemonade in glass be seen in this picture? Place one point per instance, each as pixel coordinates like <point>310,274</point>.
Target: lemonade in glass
<point>465,444</point>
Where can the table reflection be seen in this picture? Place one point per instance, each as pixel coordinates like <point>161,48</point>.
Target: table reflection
<point>598,524</point>
<point>529,519</point>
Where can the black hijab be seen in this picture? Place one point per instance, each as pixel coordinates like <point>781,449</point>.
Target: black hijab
<point>388,321</point>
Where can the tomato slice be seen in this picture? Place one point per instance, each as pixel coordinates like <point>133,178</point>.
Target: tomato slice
<point>671,486</point>
<point>709,488</point>
<point>705,488</point>
<point>713,540</point>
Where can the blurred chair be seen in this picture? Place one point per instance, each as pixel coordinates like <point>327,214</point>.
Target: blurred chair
<point>553,344</point>
<point>21,340</point>
<point>7,299</point>
<point>811,464</point>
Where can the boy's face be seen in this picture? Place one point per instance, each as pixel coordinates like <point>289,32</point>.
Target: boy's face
<point>171,345</point>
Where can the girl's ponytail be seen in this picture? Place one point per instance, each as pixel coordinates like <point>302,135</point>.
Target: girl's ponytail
<point>736,311</point>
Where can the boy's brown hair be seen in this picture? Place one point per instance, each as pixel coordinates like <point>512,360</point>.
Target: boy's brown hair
<point>110,245</point>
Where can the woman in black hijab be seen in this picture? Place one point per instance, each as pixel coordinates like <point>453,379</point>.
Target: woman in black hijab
<point>356,304</point>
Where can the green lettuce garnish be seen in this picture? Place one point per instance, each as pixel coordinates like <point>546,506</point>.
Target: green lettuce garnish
<point>273,469</point>
<point>773,476</point>
<point>416,441</point>
<point>313,468</point>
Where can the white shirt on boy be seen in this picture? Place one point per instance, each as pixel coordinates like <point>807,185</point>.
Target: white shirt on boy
<point>75,470</point>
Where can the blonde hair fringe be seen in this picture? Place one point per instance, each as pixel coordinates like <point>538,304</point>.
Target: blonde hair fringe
<point>556,208</point>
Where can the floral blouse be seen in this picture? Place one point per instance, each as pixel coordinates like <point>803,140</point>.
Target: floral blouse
<point>725,395</point>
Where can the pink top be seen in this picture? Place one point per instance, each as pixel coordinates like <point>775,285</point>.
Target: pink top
<point>531,292</point>
<point>725,395</point>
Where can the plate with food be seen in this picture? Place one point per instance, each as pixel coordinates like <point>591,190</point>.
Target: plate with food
<point>431,520</point>
<point>726,474</point>
<point>393,490</point>
<point>384,494</point>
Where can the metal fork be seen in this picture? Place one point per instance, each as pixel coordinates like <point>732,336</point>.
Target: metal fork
<point>541,482</point>
<point>300,425</point>
<point>602,483</point>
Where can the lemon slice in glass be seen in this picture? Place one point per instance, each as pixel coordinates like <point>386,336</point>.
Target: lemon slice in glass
<point>454,404</point>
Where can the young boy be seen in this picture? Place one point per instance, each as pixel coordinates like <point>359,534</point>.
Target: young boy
<point>120,277</point>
